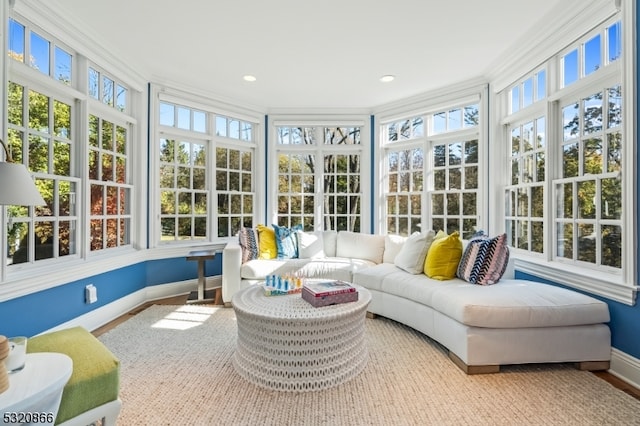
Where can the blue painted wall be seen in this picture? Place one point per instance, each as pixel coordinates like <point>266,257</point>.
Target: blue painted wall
<point>623,324</point>
<point>37,312</point>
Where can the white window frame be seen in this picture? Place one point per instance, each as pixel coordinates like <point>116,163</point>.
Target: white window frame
<point>619,287</point>
<point>319,150</point>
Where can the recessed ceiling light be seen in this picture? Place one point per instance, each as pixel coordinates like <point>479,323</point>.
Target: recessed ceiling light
<point>387,78</point>
<point>249,77</point>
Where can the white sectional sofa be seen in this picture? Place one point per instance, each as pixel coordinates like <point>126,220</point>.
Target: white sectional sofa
<point>482,326</point>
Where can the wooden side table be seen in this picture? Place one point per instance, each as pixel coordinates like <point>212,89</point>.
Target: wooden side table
<point>202,294</point>
<point>35,392</point>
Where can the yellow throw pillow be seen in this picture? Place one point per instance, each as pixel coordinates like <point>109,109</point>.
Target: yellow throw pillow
<point>267,248</point>
<point>443,256</point>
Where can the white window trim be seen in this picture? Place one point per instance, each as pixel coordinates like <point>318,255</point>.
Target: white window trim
<point>617,287</point>
<point>310,120</point>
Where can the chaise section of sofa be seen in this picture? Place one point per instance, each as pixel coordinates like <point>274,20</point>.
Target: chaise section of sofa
<point>484,327</point>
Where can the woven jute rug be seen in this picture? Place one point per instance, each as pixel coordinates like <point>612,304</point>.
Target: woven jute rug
<point>176,369</point>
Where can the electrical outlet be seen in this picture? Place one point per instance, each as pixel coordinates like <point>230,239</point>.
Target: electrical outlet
<point>90,294</point>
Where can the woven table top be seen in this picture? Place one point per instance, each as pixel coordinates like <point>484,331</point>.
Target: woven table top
<point>253,301</point>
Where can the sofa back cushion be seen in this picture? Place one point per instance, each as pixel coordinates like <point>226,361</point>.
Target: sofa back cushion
<point>392,245</point>
<point>414,251</point>
<point>330,239</point>
<point>310,245</point>
<point>360,246</point>
<point>443,256</point>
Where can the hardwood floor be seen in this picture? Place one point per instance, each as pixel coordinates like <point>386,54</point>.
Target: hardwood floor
<point>181,300</point>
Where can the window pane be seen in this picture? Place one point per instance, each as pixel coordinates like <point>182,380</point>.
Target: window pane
<point>515,99</point>
<point>592,117</point>
<point>614,36</point>
<point>221,126</point>
<point>94,78</point>
<point>62,66</point>
<point>541,91</point>
<point>570,68</point>
<point>39,53</point>
<point>167,114</point>
<point>121,98</point>
<point>592,55</point>
<point>107,91</point>
<point>16,40</point>
<point>527,92</point>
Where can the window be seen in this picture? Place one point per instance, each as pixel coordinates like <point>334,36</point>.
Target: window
<point>81,164</point>
<point>588,192</point>
<point>182,117</point>
<point>110,193</point>
<point>525,198</point>
<point>43,55</point>
<point>107,90</point>
<point>600,49</point>
<point>431,176</point>
<point>454,198</point>
<point>183,190</point>
<point>40,137</point>
<point>206,173</point>
<point>319,177</point>
<point>405,185</point>
<point>234,188</point>
<point>565,198</point>
<point>528,91</point>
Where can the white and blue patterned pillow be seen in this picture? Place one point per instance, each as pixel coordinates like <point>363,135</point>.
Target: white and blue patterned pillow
<point>485,259</point>
<point>286,241</point>
<point>248,239</point>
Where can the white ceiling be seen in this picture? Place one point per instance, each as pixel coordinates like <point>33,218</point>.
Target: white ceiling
<point>310,54</point>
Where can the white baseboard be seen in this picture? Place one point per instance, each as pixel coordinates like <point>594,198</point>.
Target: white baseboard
<point>101,316</point>
<point>625,367</point>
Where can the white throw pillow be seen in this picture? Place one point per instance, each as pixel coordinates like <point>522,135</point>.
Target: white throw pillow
<point>414,251</point>
<point>358,245</point>
<point>392,246</point>
<point>310,245</point>
<point>330,240</point>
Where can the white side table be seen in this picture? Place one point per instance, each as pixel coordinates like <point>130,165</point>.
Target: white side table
<point>36,390</point>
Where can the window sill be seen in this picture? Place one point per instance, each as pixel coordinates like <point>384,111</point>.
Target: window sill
<point>33,279</point>
<point>598,283</point>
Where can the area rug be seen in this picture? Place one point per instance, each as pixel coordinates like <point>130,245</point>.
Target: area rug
<point>176,369</point>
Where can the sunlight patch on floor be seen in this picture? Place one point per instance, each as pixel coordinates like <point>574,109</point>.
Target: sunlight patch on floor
<point>186,317</point>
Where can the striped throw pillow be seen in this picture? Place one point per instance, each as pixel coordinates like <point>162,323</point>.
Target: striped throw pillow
<point>485,259</point>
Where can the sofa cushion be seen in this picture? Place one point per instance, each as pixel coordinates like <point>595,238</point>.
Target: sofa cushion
<point>330,267</point>
<point>516,304</point>
<point>248,239</point>
<point>267,242</point>
<point>412,254</point>
<point>330,239</point>
<point>310,245</point>
<point>484,259</point>
<point>443,256</point>
<point>372,278</point>
<point>392,245</point>
<point>360,246</point>
<point>286,241</point>
<point>258,269</point>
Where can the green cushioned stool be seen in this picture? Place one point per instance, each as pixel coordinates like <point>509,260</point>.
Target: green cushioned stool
<point>92,391</point>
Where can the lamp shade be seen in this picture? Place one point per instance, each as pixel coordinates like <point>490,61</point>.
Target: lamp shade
<point>17,187</point>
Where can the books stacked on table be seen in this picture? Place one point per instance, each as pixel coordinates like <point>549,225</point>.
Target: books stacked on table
<point>329,292</point>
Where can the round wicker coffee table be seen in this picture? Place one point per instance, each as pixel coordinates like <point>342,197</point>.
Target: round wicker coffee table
<point>286,344</point>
